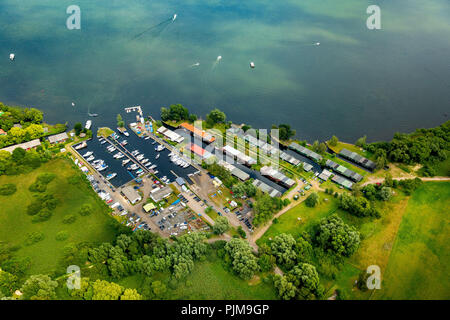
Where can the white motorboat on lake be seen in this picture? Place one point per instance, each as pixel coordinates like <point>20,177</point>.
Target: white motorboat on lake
<point>90,158</point>
<point>124,162</point>
<point>87,154</point>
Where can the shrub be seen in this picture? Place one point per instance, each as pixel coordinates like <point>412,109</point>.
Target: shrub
<point>241,232</point>
<point>34,207</point>
<point>8,189</point>
<point>40,185</point>
<point>312,200</point>
<point>43,215</point>
<point>71,218</point>
<point>46,177</point>
<point>62,235</point>
<point>34,237</point>
<point>85,210</point>
<point>46,201</point>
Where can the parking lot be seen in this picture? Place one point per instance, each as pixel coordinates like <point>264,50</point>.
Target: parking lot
<point>177,219</point>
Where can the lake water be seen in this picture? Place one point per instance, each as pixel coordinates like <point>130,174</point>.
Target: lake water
<point>357,82</point>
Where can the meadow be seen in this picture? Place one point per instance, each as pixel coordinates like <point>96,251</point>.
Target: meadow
<point>71,194</point>
<point>418,266</point>
<point>289,222</point>
<point>408,243</point>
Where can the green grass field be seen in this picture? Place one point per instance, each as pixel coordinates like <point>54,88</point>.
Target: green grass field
<point>289,223</point>
<point>418,266</point>
<point>210,281</point>
<point>15,224</point>
<point>409,243</point>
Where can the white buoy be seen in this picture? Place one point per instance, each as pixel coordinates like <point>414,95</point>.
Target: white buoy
<point>174,17</point>
<point>12,56</point>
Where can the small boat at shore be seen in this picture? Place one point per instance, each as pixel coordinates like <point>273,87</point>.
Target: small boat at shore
<point>160,147</point>
<point>87,154</point>
<point>111,176</point>
<point>103,167</point>
<point>124,162</point>
<point>90,158</point>
<point>134,166</point>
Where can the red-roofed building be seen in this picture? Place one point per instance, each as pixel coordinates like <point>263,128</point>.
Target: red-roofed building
<point>208,138</point>
<point>199,151</point>
<point>2,132</point>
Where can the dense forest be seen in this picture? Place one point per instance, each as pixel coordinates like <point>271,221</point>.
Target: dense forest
<point>424,146</point>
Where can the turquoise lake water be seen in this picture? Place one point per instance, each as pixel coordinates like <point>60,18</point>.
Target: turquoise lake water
<point>356,82</point>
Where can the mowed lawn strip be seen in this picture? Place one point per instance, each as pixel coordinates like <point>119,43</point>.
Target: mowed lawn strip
<point>15,224</point>
<point>418,266</point>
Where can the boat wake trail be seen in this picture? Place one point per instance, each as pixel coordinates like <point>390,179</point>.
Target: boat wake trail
<point>164,23</point>
<point>216,63</point>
